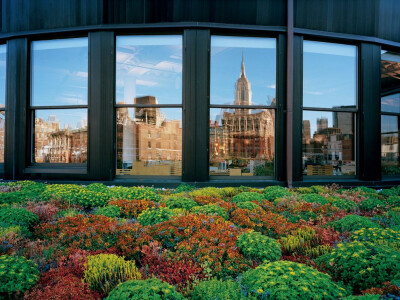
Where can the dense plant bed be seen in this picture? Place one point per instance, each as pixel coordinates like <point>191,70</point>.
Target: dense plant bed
<point>99,242</point>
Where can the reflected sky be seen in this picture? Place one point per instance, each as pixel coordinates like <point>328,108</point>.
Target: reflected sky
<point>3,57</point>
<point>60,72</point>
<point>329,74</point>
<point>149,65</point>
<point>260,68</point>
<point>67,118</point>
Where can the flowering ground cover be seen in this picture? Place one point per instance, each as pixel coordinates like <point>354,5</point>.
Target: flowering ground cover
<point>98,242</point>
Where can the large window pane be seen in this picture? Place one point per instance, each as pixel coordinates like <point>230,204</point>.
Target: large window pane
<point>2,134</point>
<point>3,58</point>
<point>243,70</point>
<point>328,143</point>
<point>149,141</point>
<point>329,75</point>
<point>60,136</point>
<point>59,72</point>
<point>242,142</point>
<point>149,66</point>
<point>390,145</point>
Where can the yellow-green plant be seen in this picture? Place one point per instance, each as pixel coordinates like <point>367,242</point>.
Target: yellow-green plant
<point>103,272</point>
<point>378,236</point>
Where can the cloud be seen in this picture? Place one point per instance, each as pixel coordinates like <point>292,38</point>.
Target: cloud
<point>146,82</point>
<point>272,86</point>
<point>313,93</point>
<point>82,74</point>
<point>169,66</point>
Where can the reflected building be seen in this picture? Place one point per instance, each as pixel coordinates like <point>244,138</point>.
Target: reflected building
<point>330,151</point>
<point>242,141</point>
<point>148,144</point>
<point>55,145</point>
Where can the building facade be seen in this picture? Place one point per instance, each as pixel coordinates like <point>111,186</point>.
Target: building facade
<point>214,92</point>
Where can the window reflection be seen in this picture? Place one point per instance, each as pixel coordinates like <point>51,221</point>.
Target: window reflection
<point>257,70</point>
<point>149,140</point>
<point>60,136</point>
<point>390,103</point>
<point>3,58</point>
<point>2,134</point>
<point>59,72</point>
<point>329,75</point>
<point>328,143</point>
<point>390,145</point>
<point>242,142</point>
<point>149,65</point>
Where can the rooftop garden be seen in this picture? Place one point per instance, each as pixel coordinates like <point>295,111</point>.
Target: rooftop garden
<point>65,241</point>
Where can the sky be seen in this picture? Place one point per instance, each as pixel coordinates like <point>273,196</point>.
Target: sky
<point>152,65</point>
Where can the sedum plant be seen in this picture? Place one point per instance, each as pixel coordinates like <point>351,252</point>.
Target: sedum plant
<point>289,280</point>
<point>215,289</point>
<point>361,264</point>
<point>256,246</point>
<point>18,216</point>
<point>154,216</point>
<point>210,209</point>
<point>17,274</point>
<point>248,196</point>
<point>103,272</point>
<point>111,211</point>
<point>353,223</point>
<point>152,288</point>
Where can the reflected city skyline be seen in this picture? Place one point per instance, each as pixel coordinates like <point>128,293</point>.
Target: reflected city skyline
<point>242,141</point>
<point>59,144</point>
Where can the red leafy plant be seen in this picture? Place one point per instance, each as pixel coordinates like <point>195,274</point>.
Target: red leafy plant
<point>45,211</point>
<point>178,270</point>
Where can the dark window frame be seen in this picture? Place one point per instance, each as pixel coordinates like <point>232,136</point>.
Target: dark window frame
<point>31,167</point>
<point>132,105</point>
<point>355,111</point>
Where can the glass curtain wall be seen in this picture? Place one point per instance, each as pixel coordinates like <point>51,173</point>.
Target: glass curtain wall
<point>390,109</point>
<point>59,101</point>
<point>242,106</point>
<point>149,105</point>
<point>3,60</point>
<point>329,109</point>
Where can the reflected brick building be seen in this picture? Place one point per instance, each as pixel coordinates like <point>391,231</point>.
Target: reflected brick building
<point>149,142</point>
<point>244,137</point>
<point>55,145</point>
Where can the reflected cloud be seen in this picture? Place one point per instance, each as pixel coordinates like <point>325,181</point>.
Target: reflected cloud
<point>146,82</point>
<point>272,86</point>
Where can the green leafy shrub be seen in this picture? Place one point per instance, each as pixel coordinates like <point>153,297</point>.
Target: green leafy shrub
<point>137,193</point>
<point>152,288</point>
<point>180,202</point>
<point>103,272</point>
<point>215,289</point>
<point>256,246</point>
<point>378,236</point>
<point>344,204</point>
<point>365,190</point>
<point>208,191</point>
<point>319,189</point>
<point>314,198</point>
<point>392,201</point>
<point>91,199</point>
<point>23,191</point>
<point>248,196</point>
<point>184,187</point>
<point>98,187</point>
<point>389,192</point>
<point>17,274</point>
<point>371,203</point>
<point>229,191</point>
<point>353,223</point>
<point>210,209</point>
<point>290,280</point>
<point>65,193</point>
<point>70,212</point>
<point>361,264</point>
<point>154,216</point>
<point>247,205</point>
<point>304,190</point>
<point>18,216</point>
<point>273,192</point>
<point>111,211</point>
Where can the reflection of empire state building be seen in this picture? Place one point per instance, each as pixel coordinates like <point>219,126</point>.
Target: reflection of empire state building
<point>245,133</point>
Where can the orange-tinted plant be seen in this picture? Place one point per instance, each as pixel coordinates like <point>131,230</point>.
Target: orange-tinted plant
<point>132,208</point>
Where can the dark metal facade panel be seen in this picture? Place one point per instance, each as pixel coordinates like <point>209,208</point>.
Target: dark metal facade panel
<point>16,113</point>
<point>370,125</point>
<point>101,135</point>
